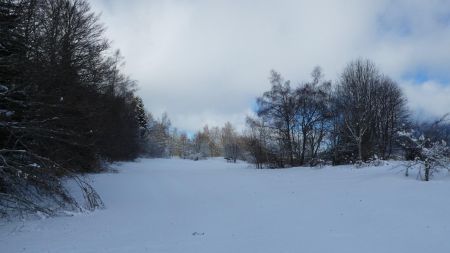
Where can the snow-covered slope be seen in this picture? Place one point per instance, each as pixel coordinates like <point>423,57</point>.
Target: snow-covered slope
<point>212,206</point>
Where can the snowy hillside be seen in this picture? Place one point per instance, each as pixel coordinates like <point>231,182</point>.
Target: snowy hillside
<point>213,206</point>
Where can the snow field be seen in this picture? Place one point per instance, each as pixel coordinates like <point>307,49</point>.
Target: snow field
<point>174,205</point>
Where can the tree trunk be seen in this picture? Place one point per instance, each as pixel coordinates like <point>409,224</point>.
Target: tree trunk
<point>360,148</point>
<point>427,170</point>
<point>302,159</point>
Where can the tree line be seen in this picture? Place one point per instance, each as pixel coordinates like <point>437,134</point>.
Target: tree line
<point>65,104</point>
<point>164,141</point>
<point>355,119</point>
<point>362,117</point>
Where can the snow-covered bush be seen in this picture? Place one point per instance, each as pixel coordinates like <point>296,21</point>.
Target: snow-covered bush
<point>373,162</point>
<point>429,157</point>
<point>317,162</point>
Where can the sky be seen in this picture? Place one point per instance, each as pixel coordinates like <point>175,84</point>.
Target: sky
<point>205,62</point>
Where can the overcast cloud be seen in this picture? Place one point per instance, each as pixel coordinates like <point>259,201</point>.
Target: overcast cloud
<point>205,62</point>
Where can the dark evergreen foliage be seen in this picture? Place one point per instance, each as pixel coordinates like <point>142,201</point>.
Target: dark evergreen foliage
<point>65,105</point>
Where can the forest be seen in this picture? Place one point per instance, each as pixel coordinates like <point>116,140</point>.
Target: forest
<point>65,105</point>
<point>68,109</point>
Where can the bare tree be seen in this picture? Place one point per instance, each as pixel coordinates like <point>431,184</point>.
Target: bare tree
<point>256,142</point>
<point>277,108</point>
<point>390,116</point>
<point>230,142</point>
<point>355,100</point>
<point>311,114</point>
<point>369,110</point>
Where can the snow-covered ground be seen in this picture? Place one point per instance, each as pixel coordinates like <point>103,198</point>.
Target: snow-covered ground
<point>213,206</point>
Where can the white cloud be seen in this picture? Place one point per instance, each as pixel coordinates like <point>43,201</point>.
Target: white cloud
<point>206,61</point>
<point>428,100</point>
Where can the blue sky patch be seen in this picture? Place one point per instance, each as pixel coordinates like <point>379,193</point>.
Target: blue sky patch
<point>421,75</point>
